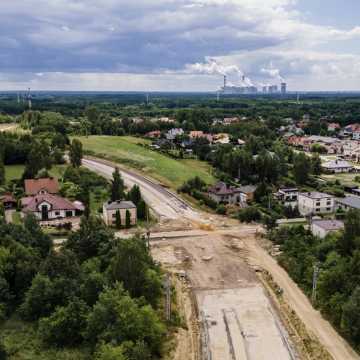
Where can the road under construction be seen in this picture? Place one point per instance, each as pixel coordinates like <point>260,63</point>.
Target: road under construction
<point>236,316</point>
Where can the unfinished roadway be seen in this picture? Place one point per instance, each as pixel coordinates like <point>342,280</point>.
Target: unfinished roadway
<point>237,317</point>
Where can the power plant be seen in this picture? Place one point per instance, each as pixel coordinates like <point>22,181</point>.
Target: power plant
<point>248,88</point>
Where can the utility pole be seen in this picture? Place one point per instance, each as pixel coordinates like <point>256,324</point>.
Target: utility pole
<point>167,285</point>
<point>315,280</point>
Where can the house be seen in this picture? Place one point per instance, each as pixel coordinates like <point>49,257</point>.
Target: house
<point>199,135</point>
<point>165,119</point>
<point>222,193</point>
<point>153,134</point>
<point>321,228</point>
<point>248,192</point>
<point>337,166</point>
<point>232,120</point>
<point>137,120</point>
<point>111,208</point>
<point>347,203</point>
<point>41,186</point>
<point>350,129</point>
<point>288,196</point>
<point>332,127</point>
<point>47,207</point>
<point>173,133</point>
<point>311,203</point>
<point>356,134</point>
<point>221,138</point>
<point>8,201</point>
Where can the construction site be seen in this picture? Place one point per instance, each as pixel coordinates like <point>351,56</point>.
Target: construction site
<point>234,300</point>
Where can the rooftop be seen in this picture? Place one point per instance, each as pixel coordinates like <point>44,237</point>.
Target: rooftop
<point>316,195</point>
<point>351,201</point>
<point>329,225</point>
<point>337,164</point>
<point>34,186</point>
<point>118,205</point>
<point>57,203</point>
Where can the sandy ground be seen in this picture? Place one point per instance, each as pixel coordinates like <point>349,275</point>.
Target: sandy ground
<point>239,320</point>
<point>7,127</point>
<point>219,262</point>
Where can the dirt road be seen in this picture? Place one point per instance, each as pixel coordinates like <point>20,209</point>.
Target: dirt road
<point>237,316</point>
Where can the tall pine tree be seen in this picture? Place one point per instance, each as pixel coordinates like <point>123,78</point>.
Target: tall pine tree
<point>117,186</point>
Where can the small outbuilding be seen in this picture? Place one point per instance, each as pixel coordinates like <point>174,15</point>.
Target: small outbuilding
<point>111,208</point>
<point>321,228</point>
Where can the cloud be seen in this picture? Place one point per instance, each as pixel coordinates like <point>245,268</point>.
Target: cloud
<point>164,37</point>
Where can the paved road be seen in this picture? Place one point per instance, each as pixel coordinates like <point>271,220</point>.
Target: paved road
<point>164,203</point>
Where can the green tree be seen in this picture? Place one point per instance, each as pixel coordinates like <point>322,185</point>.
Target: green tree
<point>350,322</point>
<point>142,210</point>
<point>127,219</point>
<point>65,325</point>
<point>302,167</point>
<point>76,153</point>
<point>316,164</point>
<point>117,186</point>
<point>2,171</point>
<point>129,321</point>
<point>92,239</point>
<point>135,195</point>
<point>118,219</point>
<point>110,352</point>
<point>3,354</point>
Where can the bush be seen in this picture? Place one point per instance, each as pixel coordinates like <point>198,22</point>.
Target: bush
<point>249,214</point>
<point>221,209</point>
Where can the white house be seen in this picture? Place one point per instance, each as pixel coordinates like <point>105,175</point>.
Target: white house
<point>321,228</point>
<point>47,207</point>
<point>111,208</point>
<point>288,196</point>
<point>338,166</point>
<point>313,203</point>
<point>173,133</point>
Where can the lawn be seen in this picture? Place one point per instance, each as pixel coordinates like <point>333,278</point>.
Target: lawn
<point>345,179</point>
<point>13,172</point>
<point>130,151</point>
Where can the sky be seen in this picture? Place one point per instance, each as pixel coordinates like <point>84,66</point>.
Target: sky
<point>179,45</point>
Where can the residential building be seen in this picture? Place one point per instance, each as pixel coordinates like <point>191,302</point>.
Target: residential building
<point>315,203</point>
<point>8,201</point>
<point>232,120</point>
<point>173,133</point>
<point>41,186</point>
<point>111,208</point>
<point>46,207</point>
<point>153,134</point>
<point>288,196</point>
<point>337,166</point>
<point>356,134</point>
<point>332,127</point>
<point>248,192</point>
<point>321,228</point>
<point>347,203</point>
<point>221,138</point>
<point>222,193</point>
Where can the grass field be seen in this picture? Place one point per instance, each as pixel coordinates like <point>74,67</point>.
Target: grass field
<point>13,172</point>
<point>345,179</point>
<point>130,152</point>
<point>22,342</point>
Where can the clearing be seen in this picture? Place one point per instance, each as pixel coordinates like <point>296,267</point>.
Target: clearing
<point>131,151</point>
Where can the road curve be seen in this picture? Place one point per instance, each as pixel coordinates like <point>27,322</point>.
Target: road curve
<point>164,203</point>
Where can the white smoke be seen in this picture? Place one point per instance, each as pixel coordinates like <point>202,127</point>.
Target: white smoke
<point>213,67</point>
<point>272,72</point>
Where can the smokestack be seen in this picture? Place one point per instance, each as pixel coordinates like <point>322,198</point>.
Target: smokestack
<point>224,81</point>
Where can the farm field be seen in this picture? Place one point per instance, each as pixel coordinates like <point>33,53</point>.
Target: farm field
<point>129,151</point>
